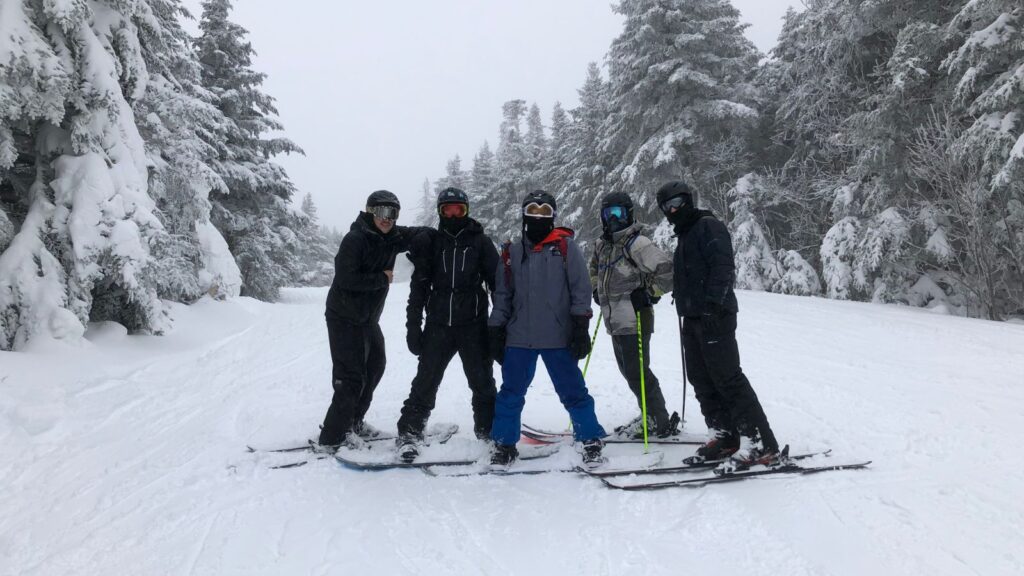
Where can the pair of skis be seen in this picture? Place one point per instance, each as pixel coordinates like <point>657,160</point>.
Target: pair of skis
<point>439,434</point>
<point>720,475</point>
<point>538,435</point>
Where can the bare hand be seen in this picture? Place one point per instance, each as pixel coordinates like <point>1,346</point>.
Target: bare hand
<point>391,275</point>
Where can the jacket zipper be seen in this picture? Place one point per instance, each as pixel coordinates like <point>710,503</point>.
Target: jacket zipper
<point>451,296</point>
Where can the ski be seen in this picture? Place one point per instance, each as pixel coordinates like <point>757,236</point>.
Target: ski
<point>652,459</point>
<point>442,433</point>
<point>551,437</point>
<point>734,476</point>
<point>529,454</point>
<point>696,467</point>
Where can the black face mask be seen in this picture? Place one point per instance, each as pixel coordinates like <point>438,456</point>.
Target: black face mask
<point>536,228</point>
<point>613,225</point>
<point>684,217</point>
<point>454,225</point>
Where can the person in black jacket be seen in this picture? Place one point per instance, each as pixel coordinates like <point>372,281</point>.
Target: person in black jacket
<point>703,291</point>
<point>454,270</point>
<point>362,275</point>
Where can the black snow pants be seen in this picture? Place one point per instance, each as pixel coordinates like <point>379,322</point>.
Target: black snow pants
<point>440,343</point>
<point>727,400</point>
<point>627,356</point>
<point>357,352</point>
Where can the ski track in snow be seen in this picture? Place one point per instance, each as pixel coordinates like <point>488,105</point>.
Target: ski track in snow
<point>127,456</point>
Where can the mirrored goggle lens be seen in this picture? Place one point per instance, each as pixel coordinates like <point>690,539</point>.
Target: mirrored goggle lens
<point>384,212</point>
<point>673,203</point>
<point>453,210</point>
<point>614,212</point>
<point>541,210</point>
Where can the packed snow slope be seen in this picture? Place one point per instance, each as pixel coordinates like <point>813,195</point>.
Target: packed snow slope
<point>126,455</point>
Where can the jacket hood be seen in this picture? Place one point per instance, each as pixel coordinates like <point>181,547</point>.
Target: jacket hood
<point>556,235</point>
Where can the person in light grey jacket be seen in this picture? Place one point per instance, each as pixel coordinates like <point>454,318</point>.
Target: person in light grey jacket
<point>541,310</point>
<point>629,274</point>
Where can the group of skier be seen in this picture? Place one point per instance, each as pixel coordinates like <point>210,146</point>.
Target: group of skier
<point>541,288</point>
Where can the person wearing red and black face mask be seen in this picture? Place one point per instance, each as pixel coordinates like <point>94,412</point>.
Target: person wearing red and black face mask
<point>542,310</point>
<point>454,270</point>
<point>363,270</point>
<point>705,272</point>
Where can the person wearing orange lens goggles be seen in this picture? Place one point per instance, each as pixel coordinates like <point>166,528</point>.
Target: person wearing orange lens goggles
<point>453,274</point>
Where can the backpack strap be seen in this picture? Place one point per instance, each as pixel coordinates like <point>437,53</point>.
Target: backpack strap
<point>506,260</point>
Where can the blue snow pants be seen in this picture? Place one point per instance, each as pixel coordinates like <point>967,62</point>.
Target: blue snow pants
<point>517,371</point>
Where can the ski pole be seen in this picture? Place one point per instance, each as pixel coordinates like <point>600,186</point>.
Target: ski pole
<point>682,353</point>
<point>593,340</point>
<point>643,388</point>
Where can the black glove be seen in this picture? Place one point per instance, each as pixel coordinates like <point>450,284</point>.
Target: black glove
<point>655,299</point>
<point>580,344</point>
<point>596,299</point>
<point>496,343</point>
<point>640,298</point>
<point>414,339</point>
<point>712,316</point>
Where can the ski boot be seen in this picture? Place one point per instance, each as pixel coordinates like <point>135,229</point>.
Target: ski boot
<point>502,456</point>
<point>592,453</point>
<point>752,452</point>
<point>720,445</point>
<point>407,446</point>
<point>634,429</point>
<point>669,428</point>
<point>366,431</point>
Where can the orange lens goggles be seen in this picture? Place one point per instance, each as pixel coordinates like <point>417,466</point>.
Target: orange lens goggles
<point>453,210</point>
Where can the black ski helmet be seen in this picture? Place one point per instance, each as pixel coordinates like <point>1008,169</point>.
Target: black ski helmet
<point>615,224</point>
<point>383,198</point>
<point>452,195</point>
<point>541,197</point>
<point>675,188</point>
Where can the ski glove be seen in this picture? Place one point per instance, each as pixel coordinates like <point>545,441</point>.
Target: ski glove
<point>596,299</point>
<point>641,299</point>
<point>711,319</point>
<point>580,344</point>
<point>496,343</point>
<point>414,339</point>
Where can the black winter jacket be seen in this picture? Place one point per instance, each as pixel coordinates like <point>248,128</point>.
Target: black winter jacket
<point>705,270</point>
<point>452,277</point>
<point>360,287</point>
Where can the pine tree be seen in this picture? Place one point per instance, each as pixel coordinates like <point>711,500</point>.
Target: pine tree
<point>536,148</point>
<point>498,207</point>
<point>680,97</point>
<point>584,171</point>
<point>316,263</point>
<point>425,209</point>
<point>75,171</point>
<point>481,175</point>
<point>253,213</point>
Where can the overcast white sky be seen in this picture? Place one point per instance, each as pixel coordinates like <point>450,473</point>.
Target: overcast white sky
<point>381,94</point>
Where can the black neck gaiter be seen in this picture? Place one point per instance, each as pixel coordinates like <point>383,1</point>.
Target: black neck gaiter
<point>536,229</point>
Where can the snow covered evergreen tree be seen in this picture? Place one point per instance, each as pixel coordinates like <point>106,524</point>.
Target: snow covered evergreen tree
<point>680,98</point>
<point>425,210</point>
<point>252,213</point>
<point>481,174</point>
<point>316,260</point>
<point>585,167</point>
<point>75,170</point>
<point>497,208</point>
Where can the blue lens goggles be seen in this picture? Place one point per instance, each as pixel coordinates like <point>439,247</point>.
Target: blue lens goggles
<point>610,212</point>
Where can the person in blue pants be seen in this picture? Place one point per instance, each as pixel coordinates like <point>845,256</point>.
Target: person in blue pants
<point>541,310</point>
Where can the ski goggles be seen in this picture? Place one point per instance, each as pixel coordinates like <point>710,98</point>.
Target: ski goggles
<point>539,210</point>
<point>384,212</point>
<point>458,210</point>
<point>610,212</point>
<point>674,203</point>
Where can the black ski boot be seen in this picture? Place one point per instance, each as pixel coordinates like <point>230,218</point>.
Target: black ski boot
<point>365,431</point>
<point>503,456</point>
<point>669,428</point>
<point>719,447</point>
<point>408,447</point>
<point>592,453</point>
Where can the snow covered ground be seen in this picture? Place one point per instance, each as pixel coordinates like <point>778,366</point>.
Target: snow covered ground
<point>127,456</point>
